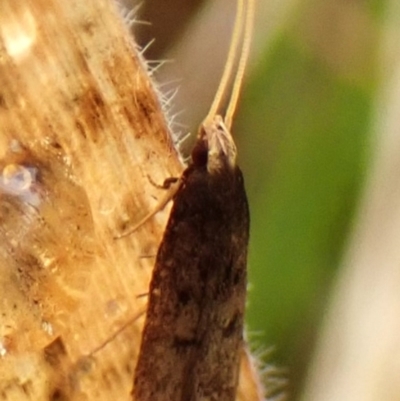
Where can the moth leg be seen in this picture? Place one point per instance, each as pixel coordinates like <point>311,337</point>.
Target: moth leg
<point>172,184</point>
<point>167,184</point>
<point>128,323</point>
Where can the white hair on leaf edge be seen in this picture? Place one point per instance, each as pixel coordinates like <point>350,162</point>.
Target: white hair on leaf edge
<point>165,96</point>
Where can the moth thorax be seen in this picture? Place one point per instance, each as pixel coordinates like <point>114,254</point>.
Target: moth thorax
<point>221,147</point>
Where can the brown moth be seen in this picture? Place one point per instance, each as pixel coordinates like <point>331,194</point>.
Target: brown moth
<point>193,333</point>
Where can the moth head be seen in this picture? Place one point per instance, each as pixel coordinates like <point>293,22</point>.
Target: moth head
<point>214,147</point>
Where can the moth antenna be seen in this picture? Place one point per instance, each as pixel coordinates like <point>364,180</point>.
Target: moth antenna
<point>244,55</point>
<point>223,86</point>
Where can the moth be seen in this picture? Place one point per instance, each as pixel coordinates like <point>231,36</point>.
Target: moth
<point>193,333</point>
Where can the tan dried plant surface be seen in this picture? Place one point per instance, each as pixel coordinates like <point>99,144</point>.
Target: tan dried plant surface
<point>82,142</point>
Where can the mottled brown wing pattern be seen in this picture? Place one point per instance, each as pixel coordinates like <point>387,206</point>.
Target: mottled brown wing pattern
<point>193,332</point>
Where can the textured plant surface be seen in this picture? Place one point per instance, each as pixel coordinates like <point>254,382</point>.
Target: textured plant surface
<point>83,140</point>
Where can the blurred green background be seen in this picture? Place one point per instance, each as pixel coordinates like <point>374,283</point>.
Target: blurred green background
<point>304,157</point>
<point>304,133</point>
